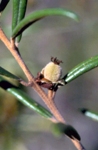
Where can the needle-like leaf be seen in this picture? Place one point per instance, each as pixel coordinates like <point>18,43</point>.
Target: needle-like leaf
<point>7,74</point>
<point>24,98</point>
<point>90,114</point>
<point>37,15</point>
<point>60,128</point>
<point>3,4</point>
<point>81,69</point>
<point>19,9</point>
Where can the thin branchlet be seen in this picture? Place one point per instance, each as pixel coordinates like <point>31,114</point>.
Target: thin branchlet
<point>49,102</point>
<point>31,82</point>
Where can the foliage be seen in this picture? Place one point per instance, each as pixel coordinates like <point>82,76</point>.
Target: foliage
<point>20,23</point>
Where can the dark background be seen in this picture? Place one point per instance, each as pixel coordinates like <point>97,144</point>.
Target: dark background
<point>70,41</point>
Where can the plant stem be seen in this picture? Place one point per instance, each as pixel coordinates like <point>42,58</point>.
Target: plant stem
<point>16,55</point>
<point>49,102</point>
<point>51,94</point>
<point>78,144</point>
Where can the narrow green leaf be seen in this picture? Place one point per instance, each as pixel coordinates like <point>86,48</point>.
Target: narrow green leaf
<point>7,74</point>
<point>22,10</point>
<point>60,128</point>
<point>15,13</point>
<point>35,16</point>
<point>24,98</point>
<point>81,69</point>
<point>90,114</point>
<point>3,4</point>
<point>29,102</point>
<point>21,14</point>
<point>19,9</point>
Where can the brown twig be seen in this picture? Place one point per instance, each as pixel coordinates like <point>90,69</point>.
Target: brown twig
<point>51,94</point>
<point>78,144</point>
<point>47,99</point>
<point>49,102</point>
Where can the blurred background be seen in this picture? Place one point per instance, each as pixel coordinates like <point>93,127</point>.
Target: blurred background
<point>70,41</point>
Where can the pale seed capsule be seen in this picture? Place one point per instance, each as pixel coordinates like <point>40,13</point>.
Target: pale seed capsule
<point>52,71</point>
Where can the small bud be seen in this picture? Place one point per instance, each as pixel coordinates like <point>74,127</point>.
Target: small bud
<point>52,71</point>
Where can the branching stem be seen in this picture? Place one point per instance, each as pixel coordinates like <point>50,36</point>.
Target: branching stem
<point>47,99</point>
<point>49,102</point>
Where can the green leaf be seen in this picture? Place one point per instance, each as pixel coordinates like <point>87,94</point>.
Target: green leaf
<point>60,128</point>
<point>90,114</point>
<point>81,69</point>
<point>7,74</point>
<point>15,13</point>
<point>35,16</point>
<point>29,102</point>
<point>19,9</point>
<point>21,14</point>
<point>24,98</point>
<point>3,4</point>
